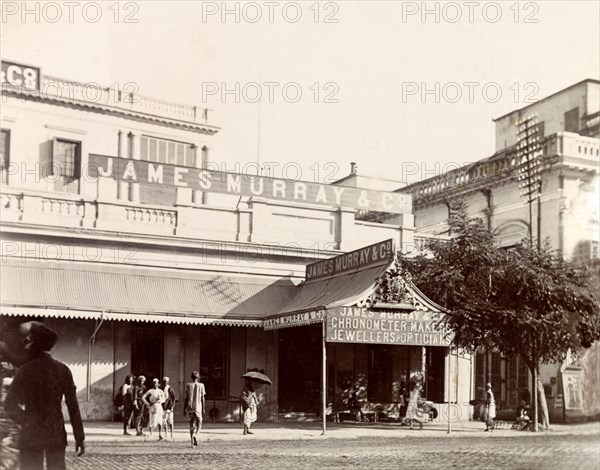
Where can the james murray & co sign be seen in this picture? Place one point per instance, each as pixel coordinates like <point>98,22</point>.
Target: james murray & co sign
<point>145,172</point>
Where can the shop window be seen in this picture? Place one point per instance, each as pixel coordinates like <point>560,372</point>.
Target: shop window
<point>214,351</point>
<point>379,387</point>
<point>66,165</point>
<point>4,154</point>
<point>435,373</point>
<point>167,151</point>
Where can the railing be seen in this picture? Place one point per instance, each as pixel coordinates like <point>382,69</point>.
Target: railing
<point>126,99</point>
<point>504,164</point>
<point>196,222</point>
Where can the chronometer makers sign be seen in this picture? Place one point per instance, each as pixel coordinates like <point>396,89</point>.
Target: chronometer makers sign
<point>359,325</point>
<point>144,172</point>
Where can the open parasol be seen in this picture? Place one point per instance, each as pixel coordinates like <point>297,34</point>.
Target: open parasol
<point>257,377</point>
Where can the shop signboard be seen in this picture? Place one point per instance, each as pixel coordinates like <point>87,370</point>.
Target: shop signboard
<point>19,77</point>
<point>363,258</point>
<point>212,181</point>
<point>295,319</point>
<point>360,325</point>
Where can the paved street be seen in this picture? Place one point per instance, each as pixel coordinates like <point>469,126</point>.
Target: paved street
<point>348,447</point>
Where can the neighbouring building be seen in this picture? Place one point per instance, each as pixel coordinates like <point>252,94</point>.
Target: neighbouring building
<point>110,235</point>
<point>566,215</point>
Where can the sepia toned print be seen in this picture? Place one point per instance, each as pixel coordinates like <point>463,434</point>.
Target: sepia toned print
<point>324,234</point>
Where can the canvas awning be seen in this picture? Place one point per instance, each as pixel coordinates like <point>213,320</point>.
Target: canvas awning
<point>140,294</point>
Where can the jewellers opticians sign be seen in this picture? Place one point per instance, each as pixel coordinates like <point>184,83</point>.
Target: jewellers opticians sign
<point>18,76</point>
<point>376,254</point>
<point>359,325</point>
<point>214,181</point>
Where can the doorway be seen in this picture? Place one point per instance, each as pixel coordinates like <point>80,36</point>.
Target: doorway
<point>147,351</point>
<point>300,361</point>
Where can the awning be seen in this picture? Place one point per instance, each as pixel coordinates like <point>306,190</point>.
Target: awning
<point>74,290</point>
<point>340,290</point>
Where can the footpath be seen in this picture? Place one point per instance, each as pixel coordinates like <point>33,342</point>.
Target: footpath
<point>101,431</point>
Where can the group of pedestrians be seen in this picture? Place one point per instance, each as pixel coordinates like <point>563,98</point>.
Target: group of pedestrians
<point>154,407</point>
<point>141,407</point>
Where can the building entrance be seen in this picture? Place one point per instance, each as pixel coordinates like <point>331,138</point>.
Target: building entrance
<point>300,359</point>
<point>147,351</point>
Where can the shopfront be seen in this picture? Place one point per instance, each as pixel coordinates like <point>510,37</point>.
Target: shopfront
<point>337,327</point>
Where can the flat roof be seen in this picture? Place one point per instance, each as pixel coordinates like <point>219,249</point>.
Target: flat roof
<point>587,80</point>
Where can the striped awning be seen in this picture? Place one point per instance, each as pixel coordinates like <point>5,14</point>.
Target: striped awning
<point>111,292</point>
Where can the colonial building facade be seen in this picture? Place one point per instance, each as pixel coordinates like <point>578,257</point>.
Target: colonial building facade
<point>110,235</point>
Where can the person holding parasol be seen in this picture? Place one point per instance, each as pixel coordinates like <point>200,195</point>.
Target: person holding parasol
<point>249,399</point>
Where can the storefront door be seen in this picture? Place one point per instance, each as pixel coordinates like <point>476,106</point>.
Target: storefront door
<point>300,359</point>
<point>147,351</point>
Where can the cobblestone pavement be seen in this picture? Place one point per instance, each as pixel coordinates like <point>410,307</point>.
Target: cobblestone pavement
<point>482,451</point>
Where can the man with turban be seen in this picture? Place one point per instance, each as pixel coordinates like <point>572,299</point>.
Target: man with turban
<point>34,401</point>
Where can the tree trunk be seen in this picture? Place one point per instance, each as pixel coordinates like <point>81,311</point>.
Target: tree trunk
<point>535,395</point>
<point>545,421</point>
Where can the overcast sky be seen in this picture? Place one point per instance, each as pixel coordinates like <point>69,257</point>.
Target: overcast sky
<point>365,64</point>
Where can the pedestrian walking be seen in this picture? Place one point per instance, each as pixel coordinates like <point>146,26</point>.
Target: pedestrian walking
<point>168,407</point>
<point>126,394</point>
<point>34,401</point>
<point>153,399</point>
<point>490,408</point>
<point>139,407</point>
<point>195,406</point>
<point>249,405</point>
<point>412,409</point>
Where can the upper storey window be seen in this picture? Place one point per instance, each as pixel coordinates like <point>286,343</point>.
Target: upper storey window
<point>66,165</point>
<point>167,151</point>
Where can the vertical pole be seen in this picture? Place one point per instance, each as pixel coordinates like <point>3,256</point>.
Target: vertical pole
<point>449,388</point>
<point>324,377</point>
<point>530,223</point>
<point>539,217</point>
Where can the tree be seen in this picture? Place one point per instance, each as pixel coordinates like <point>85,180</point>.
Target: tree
<point>524,301</point>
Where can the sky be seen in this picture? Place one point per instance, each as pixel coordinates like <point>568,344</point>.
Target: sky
<point>404,89</point>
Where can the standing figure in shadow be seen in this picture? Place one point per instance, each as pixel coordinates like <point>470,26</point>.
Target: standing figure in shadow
<point>34,401</point>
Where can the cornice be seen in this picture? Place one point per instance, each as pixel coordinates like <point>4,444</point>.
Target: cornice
<point>113,111</point>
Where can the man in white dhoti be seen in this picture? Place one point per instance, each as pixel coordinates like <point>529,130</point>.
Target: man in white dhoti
<point>154,398</point>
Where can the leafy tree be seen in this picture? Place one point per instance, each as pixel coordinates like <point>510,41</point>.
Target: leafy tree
<point>524,301</point>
